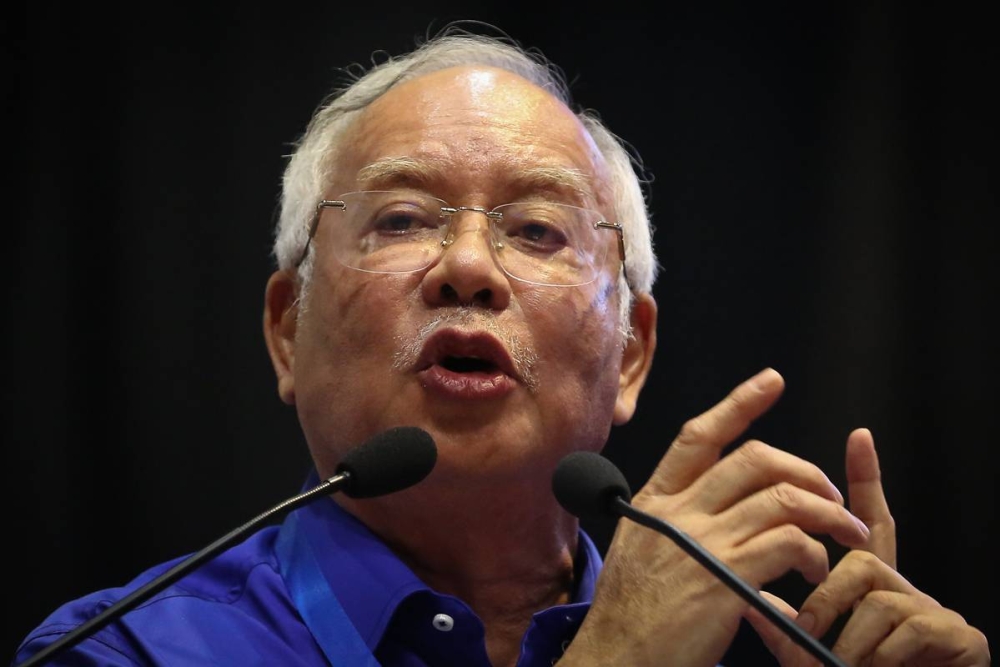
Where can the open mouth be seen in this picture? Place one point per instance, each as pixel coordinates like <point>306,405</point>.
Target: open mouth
<point>466,366</point>
<point>457,364</point>
<point>467,353</point>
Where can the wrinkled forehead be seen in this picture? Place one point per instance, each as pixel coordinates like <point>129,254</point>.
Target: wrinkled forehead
<point>478,130</point>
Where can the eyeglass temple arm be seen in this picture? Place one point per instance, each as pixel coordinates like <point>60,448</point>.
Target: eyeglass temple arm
<point>313,224</point>
<point>616,226</point>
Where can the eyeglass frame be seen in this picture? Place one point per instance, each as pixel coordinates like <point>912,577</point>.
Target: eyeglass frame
<point>491,214</point>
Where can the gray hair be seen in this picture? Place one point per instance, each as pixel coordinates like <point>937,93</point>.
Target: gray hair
<point>309,169</point>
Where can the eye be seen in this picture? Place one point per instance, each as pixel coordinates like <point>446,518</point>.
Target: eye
<point>403,220</point>
<point>396,222</point>
<point>536,231</point>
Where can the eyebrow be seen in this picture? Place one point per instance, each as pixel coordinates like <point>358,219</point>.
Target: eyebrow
<point>408,171</point>
<point>558,179</point>
<point>399,171</point>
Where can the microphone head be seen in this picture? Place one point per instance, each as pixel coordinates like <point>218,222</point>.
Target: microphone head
<point>586,485</point>
<point>388,462</point>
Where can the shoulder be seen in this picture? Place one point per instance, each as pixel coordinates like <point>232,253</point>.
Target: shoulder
<point>234,605</point>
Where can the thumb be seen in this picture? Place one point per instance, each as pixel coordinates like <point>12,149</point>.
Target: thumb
<point>781,646</point>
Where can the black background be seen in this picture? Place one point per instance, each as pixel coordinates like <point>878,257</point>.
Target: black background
<point>824,202</point>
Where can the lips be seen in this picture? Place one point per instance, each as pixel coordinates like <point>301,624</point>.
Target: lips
<point>466,365</point>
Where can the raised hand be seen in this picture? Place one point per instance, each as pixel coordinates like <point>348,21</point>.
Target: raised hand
<point>754,509</point>
<point>891,622</point>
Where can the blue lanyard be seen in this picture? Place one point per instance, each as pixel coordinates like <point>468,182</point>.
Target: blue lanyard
<point>325,618</point>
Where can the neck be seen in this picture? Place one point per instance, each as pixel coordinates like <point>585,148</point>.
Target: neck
<point>505,554</point>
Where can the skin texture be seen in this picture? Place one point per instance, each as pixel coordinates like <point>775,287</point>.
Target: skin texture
<point>757,509</point>
<point>891,621</point>
<point>333,353</point>
<point>343,353</point>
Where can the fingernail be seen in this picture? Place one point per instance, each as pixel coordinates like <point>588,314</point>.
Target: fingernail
<point>863,527</point>
<point>764,379</point>
<point>837,493</point>
<point>806,621</point>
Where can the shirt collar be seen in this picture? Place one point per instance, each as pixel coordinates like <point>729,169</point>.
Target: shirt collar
<point>370,581</point>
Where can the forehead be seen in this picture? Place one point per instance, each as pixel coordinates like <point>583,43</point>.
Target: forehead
<point>472,130</point>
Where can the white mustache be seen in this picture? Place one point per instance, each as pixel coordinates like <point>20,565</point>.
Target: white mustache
<point>522,356</point>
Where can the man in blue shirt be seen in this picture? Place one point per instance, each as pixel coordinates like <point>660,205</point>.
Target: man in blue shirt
<point>461,251</point>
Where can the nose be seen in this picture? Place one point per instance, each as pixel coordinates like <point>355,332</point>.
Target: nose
<point>467,272</point>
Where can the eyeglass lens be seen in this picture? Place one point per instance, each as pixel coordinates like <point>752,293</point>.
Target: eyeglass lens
<point>399,232</point>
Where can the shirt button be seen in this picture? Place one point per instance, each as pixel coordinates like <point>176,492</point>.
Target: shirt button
<point>443,622</point>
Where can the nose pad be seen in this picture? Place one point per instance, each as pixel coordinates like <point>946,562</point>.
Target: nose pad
<point>452,237</point>
<point>456,229</point>
<point>468,270</point>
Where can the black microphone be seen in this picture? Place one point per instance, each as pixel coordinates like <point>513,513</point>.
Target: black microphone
<point>391,461</point>
<point>588,485</point>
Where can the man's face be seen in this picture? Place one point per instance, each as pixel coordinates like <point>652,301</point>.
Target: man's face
<point>507,376</point>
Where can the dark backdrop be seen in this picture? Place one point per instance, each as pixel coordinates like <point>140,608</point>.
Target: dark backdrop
<point>824,205</point>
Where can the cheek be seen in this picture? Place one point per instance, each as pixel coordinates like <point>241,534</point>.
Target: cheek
<point>575,318</point>
<point>352,316</point>
<point>347,341</point>
<point>580,346</point>
<point>331,331</point>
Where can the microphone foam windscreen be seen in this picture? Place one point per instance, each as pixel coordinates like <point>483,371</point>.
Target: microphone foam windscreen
<point>388,462</point>
<point>586,484</point>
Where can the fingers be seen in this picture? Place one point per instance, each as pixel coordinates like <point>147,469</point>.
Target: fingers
<point>701,439</point>
<point>887,628</point>
<point>934,639</point>
<point>867,497</point>
<point>772,553</point>
<point>893,628</point>
<point>872,621</point>
<point>856,575</point>
<point>785,503</point>
<point>787,652</point>
<point>892,623</point>
<point>754,466</point>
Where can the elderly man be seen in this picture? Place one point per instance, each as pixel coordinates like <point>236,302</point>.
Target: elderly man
<point>462,252</point>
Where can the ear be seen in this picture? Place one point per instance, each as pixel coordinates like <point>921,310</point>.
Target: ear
<point>281,309</point>
<point>637,357</point>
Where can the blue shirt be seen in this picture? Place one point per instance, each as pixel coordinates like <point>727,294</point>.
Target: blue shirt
<point>306,593</point>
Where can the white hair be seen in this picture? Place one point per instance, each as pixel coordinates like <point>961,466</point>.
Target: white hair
<point>309,170</point>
